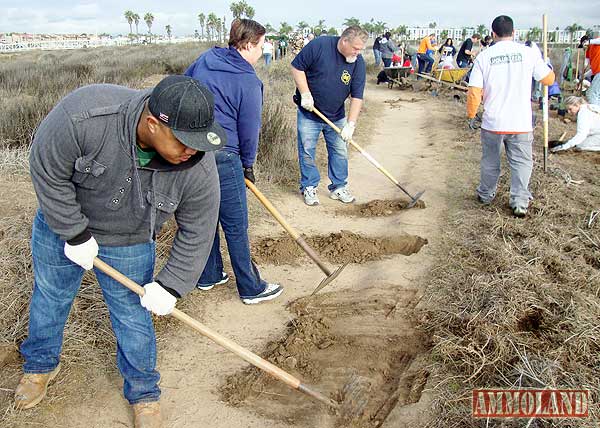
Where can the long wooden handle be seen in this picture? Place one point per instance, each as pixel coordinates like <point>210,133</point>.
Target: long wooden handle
<point>363,152</point>
<point>269,206</point>
<point>247,355</point>
<point>297,237</point>
<point>545,99</point>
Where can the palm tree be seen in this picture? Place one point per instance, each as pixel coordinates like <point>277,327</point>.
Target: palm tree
<point>211,24</point>
<point>463,33</point>
<point>168,28</point>
<point>129,17</point>
<point>202,19</point>
<point>481,30</point>
<point>136,20</point>
<point>534,34</point>
<point>237,9</point>
<point>402,30</point>
<point>432,24</point>
<point>319,27</point>
<point>379,27</point>
<point>269,28</point>
<point>148,19</point>
<point>443,35</point>
<point>332,31</point>
<point>302,25</point>
<point>285,28</point>
<point>218,29</point>
<point>224,29</point>
<point>368,27</point>
<point>572,29</point>
<point>249,12</point>
<point>352,22</point>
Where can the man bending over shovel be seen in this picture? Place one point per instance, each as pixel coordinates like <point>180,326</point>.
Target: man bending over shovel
<point>110,165</point>
<point>326,72</point>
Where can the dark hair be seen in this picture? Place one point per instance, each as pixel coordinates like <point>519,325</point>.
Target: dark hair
<point>244,31</point>
<point>451,42</point>
<point>388,35</point>
<point>476,36</point>
<point>503,26</point>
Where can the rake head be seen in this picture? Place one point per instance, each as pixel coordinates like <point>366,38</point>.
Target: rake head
<point>415,199</point>
<point>330,278</point>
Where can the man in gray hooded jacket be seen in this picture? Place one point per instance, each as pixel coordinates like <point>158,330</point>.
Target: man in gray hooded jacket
<point>109,166</point>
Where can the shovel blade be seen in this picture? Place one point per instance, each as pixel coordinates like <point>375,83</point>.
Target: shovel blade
<point>330,278</point>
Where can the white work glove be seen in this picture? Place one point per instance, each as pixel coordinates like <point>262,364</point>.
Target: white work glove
<point>82,254</point>
<point>158,300</point>
<point>348,131</point>
<point>306,101</point>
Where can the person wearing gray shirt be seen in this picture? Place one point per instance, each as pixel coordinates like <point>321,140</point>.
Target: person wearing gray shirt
<point>109,166</point>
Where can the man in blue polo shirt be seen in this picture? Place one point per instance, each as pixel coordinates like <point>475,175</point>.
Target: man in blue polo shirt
<point>326,72</point>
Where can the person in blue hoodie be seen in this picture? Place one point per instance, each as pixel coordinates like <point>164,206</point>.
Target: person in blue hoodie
<point>229,74</point>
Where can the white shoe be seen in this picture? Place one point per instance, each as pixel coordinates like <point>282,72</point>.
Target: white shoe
<point>206,287</point>
<point>342,194</point>
<point>271,291</point>
<point>310,196</point>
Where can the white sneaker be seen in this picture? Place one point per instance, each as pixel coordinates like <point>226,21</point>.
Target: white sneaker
<point>310,196</point>
<point>342,194</point>
<point>206,287</point>
<point>271,291</point>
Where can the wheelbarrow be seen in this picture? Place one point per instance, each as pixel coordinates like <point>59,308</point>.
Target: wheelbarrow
<point>454,75</point>
<point>397,75</point>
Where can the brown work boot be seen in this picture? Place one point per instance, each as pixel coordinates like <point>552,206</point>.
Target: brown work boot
<point>147,415</point>
<point>32,388</point>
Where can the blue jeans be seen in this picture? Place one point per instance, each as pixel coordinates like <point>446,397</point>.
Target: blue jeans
<point>57,281</point>
<point>425,63</point>
<point>387,62</point>
<point>233,218</point>
<point>377,55</point>
<point>337,153</point>
<point>268,57</point>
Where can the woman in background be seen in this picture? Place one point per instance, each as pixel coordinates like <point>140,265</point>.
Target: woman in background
<point>588,126</point>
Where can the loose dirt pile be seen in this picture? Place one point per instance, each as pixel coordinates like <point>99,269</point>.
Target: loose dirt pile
<point>332,339</point>
<point>336,247</point>
<point>379,208</point>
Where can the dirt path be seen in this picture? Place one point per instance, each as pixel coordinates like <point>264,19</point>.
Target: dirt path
<point>362,323</point>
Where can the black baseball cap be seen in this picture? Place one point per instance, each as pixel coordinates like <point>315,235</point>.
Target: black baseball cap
<point>187,107</point>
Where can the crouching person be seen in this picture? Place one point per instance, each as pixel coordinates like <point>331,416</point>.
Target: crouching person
<point>109,166</point>
<point>588,126</point>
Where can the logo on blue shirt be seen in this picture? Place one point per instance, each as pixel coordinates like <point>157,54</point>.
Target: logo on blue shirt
<point>346,77</point>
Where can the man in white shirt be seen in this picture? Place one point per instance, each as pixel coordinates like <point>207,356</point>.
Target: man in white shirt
<point>502,76</point>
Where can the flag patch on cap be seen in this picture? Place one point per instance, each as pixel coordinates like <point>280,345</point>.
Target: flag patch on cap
<point>163,117</point>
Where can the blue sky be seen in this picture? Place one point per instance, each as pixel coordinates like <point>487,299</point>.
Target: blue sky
<point>59,16</point>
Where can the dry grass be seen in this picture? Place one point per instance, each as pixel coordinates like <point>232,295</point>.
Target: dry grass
<point>515,303</point>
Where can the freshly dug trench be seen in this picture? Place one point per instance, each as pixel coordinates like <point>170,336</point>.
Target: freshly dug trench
<point>353,346</point>
<point>341,247</point>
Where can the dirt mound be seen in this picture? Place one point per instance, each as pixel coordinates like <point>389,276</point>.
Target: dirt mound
<point>341,247</point>
<point>385,352</point>
<point>379,208</point>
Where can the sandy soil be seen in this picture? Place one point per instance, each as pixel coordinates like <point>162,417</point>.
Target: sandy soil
<point>362,323</point>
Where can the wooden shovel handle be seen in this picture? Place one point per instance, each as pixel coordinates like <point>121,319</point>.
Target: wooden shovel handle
<point>263,200</point>
<point>241,352</point>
